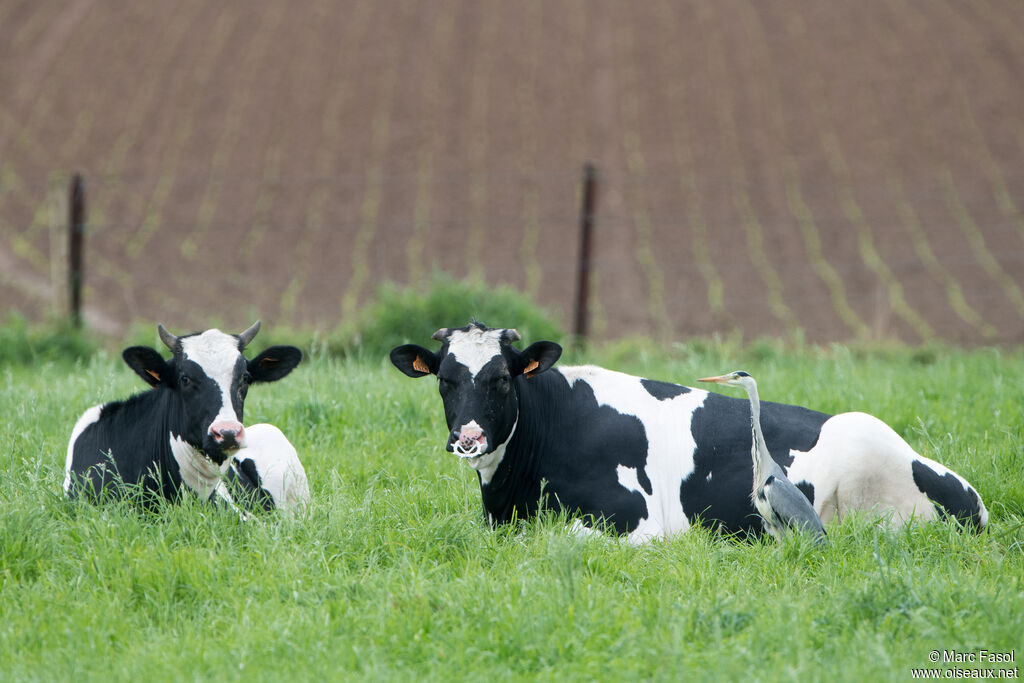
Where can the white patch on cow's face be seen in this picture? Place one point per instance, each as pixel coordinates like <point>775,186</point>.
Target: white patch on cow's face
<point>199,473</point>
<point>475,348</point>
<point>216,353</point>
<point>91,416</point>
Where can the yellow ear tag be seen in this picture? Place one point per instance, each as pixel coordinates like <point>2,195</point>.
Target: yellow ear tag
<point>153,374</point>
<point>528,370</point>
<point>420,366</point>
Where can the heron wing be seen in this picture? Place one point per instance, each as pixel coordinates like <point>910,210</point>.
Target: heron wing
<point>791,506</point>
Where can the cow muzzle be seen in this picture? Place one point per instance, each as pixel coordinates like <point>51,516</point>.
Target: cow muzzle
<point>228,435</point>
<point>468,441</point>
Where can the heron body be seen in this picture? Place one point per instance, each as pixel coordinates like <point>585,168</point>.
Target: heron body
<point>777,500</point>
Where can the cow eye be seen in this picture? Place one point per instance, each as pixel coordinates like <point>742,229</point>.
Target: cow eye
<point>185,381</point>
<point>246,378</point>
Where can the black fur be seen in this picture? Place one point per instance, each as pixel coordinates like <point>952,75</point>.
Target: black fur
<point>948,495</point>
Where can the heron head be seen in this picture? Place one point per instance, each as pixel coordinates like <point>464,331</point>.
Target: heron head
<point>737,378</point>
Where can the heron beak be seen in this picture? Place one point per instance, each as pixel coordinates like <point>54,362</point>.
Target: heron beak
<point>717,380</point>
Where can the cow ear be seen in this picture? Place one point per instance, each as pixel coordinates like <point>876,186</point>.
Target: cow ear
<point>274,363</point>
<point>414,360</point>
<point>147,364</point>
<point>538,357</point>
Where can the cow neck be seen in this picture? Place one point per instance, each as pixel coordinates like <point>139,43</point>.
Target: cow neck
<point>513,490</point>
<point>192,467</point>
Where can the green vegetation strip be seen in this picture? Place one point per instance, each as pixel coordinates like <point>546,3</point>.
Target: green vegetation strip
<point>392,574</point>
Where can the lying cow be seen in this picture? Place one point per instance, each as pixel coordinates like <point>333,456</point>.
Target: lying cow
<point>187,430</point>
<point>650,458</point>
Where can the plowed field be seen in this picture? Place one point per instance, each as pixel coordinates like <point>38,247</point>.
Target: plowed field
<point>850,170</point>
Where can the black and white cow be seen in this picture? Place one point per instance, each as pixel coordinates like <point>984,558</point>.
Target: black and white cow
<point>187,430</point>
<point>651,458</point>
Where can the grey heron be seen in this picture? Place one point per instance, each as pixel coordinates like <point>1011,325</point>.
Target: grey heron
<point>780,503</point>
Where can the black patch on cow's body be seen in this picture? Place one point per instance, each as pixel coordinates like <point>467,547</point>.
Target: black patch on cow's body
<point>663,391</point>
<point>718,491</point>
<point>109,452</point>
<point>948,494</point>
<point>572,447</point>
<point>807,488</point>
<point>246,486</point>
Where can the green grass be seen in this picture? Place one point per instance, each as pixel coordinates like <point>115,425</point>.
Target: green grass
<point>392,573</point>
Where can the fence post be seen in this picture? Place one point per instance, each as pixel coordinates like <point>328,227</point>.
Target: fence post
<point>76,237</point>
<point>587,218</point>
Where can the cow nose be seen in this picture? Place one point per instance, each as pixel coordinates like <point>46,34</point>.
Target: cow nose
<point>228,434</point>
<point>468,440</point>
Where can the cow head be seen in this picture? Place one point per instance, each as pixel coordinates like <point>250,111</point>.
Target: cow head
<point>478,371</point>
<point>208,378</point>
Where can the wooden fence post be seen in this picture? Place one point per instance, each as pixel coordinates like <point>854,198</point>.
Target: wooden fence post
<point>76,238</point>
<point>587,219</point>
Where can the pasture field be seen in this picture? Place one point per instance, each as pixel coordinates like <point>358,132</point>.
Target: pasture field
<point>392,574</point>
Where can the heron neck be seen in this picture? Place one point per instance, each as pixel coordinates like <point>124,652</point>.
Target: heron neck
<point>758,449</point>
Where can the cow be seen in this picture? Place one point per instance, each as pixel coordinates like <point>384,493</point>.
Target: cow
<point>646,459</point>
<point>186,431</point>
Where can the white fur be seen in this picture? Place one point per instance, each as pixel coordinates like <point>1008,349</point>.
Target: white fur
<point>670,445</point>
<point>860,463</point>
<point>278,464</point>
<point>199,473</point>
<point>475,348</point>
<point>90,416</point>
<point>487,464</point>
<point>216,353</point>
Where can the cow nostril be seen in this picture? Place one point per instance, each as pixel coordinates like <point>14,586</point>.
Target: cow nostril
<point>229,434</point>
